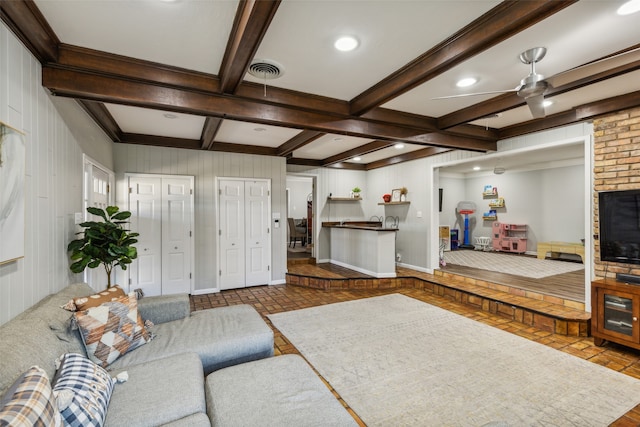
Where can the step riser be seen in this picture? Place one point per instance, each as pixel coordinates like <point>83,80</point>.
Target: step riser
<point>543,321</point>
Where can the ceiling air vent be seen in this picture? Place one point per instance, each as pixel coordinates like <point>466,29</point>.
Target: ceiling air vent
<point>265,69</point>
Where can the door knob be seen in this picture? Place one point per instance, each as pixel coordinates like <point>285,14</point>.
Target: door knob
<point>635,319</point>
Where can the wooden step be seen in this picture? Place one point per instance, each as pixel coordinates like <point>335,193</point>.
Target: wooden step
<point>551,316</point>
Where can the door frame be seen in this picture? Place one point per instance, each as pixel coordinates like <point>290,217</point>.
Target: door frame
<point>315,232</point>
<point>217,230</point>
<point>129,175</point>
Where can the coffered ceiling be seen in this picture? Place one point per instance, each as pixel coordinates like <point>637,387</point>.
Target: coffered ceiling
<point>174,73</point>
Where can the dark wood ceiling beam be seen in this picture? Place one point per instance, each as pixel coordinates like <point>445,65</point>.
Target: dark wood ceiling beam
<point>91,60</point>
<point>249,27</point>
<point>304,162</point>
<point>103,118</point>
<point>537,125</point>
<point>300,140</point>
<point>410,119</point>
<point>29,25</point>
<point>578,114</point>
<point>500,23</point>
<point>607,106</point>
<point>358,151</point>
<point>414,155</point>
<point>209,132</point>
<point>160,141</point>
<point>97,87</point>
<point>244,149</point>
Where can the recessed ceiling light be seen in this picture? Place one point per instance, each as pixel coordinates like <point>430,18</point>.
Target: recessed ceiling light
<point>259,129</point>
<point>170,116</point>
<point>466,82</point>
<point>632,6</point>
<point>346,43</point>
<point>399,146</point>
<point>356,159</point>
<point>476,168</point>
<point>546,103</point>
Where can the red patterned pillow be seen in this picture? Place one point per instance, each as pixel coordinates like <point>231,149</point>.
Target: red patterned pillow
<point>112,329</point>
<point>83,303</point>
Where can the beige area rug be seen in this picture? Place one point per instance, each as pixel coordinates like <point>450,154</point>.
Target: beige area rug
<point>400,362</point>
<point>511,264</point>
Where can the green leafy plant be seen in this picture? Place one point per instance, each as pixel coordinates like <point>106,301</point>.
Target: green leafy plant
<point>356,190</point>
<point>104,242</point>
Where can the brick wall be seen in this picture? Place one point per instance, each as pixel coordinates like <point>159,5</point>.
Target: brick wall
<point>616,166</point>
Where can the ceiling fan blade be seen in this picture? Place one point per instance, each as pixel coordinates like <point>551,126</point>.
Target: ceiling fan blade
<point>536,106</point>
<point>595,67</point>
<point>477,93</point>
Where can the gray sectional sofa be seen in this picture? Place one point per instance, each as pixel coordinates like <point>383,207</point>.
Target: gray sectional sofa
<point>171,379</point>
<point>166,384</point>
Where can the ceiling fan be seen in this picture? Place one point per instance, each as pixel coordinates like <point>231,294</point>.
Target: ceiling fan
<point>533,87</point>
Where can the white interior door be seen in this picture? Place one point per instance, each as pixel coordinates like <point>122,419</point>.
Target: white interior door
<point>145,199</point>
<point>245,242</point>
<point>162,212</point>
<point>176,235</point>
<point>257,233</point>
<point>232,240</point>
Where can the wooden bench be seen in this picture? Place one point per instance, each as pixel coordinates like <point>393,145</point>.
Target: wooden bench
<point>556,248</point>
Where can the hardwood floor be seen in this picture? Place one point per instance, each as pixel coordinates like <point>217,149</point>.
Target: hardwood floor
<point>567,286</point>
<point>279,298</point>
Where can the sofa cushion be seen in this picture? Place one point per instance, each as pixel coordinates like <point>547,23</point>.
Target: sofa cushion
<point>83,391</point>
<point>30,401</point>
<point>25,343</point>
<point>158,392</point>
<point>279,391</point>
<point>222,337</point>
<point>84,302</point>
<point>196,420</point>
<point>112,329</point>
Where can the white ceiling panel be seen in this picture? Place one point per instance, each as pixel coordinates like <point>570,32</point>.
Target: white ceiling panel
<point>156,122</point>
<point>190,34</point>
<point>329,145</point>
<point>386,153</point>
<point>391,34</point>
<point>235,132</point>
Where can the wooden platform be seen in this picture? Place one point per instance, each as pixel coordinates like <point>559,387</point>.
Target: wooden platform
<point>549,313</point>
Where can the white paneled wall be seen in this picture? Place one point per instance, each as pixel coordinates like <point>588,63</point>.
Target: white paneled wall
<point>206,166</point>
<point>53,182</point>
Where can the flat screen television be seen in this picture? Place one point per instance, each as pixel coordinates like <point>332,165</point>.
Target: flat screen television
<point>619,213</point>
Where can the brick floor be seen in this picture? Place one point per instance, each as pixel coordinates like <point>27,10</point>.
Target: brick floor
<point>276,299</point>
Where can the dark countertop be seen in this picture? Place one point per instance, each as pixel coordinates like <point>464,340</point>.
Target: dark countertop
<point>358,225</point>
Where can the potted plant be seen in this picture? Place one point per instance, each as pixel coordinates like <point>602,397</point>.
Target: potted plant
<point>104,242</point>
<point>356,192</point>
<point>403,194</point>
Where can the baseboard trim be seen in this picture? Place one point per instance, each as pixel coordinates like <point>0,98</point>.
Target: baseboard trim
<point>205,291</point>
<point>278,282</point>
<point>415,267</point>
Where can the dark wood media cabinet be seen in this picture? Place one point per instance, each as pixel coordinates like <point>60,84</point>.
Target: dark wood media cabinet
<point>615,309</point>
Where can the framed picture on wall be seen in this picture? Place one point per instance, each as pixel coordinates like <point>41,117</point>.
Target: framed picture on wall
<point>395,195</point>
<point>12,198</point>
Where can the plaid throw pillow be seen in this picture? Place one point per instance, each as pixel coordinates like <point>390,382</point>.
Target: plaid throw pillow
<point>83,303</point>
<point>30,401</point>
<point>82,391</point>
<point>112,329</point>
